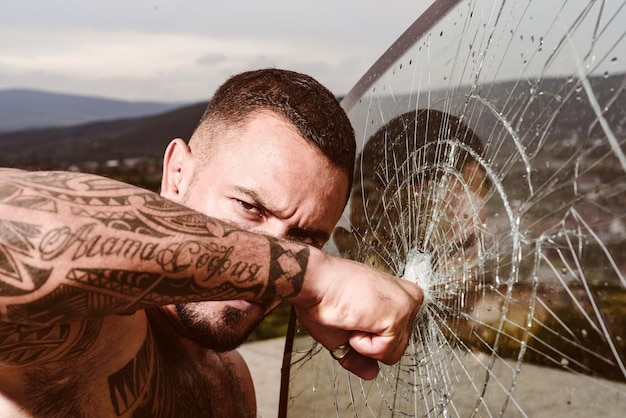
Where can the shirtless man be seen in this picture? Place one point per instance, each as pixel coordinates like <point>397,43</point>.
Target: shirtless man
<point>117,302</point>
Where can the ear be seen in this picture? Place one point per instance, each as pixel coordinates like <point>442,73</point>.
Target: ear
<point>178,168</point>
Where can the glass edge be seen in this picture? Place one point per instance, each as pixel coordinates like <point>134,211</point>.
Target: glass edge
<point>423,23</point>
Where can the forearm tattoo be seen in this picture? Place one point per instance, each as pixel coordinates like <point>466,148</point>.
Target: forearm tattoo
<point>113,248</point>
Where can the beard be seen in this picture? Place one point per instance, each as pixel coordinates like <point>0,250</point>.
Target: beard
<point>220,331</point>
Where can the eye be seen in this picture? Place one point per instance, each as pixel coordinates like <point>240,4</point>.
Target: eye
<point>250,209</point>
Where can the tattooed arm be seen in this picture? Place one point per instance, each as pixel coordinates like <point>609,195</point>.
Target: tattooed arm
<point>123,249</point>
<point>76,246</point>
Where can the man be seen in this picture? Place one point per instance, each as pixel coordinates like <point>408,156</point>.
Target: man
<point>119,302</point>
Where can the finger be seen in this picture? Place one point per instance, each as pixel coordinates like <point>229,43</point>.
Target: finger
<point>364,367</point>
<point>387,349</point>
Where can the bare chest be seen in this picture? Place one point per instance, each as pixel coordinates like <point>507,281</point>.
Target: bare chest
<point>156,382</point>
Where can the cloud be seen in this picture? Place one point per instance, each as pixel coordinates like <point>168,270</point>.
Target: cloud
<point>181,66</point>
<point>96,54</point>
<point>168,50</point>
<point>211,59</point>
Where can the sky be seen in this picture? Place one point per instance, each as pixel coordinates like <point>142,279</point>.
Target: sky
<point>182,50</point>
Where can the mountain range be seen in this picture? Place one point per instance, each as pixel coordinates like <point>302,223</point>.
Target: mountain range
<point>25,109</point>
<point>61,147</point>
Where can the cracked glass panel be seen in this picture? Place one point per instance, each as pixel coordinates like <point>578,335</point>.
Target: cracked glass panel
<point>492,171</point>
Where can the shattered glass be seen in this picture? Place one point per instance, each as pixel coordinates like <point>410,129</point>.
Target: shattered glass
<point>492,170</point>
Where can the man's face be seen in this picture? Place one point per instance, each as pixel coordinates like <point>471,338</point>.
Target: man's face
<point>263,177</point>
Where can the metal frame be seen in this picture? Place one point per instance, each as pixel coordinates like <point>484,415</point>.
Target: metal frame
<point>432,15</point>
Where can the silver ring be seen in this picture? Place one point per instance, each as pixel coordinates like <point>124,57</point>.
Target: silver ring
<point>340,352</point>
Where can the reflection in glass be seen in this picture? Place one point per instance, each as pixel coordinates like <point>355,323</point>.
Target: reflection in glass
<point>492,170</point>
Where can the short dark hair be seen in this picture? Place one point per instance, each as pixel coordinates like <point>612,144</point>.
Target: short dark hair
<point>413,147</point>
<point>421,132</point>
<point>309,106</point>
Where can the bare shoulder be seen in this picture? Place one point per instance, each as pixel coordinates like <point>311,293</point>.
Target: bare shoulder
<point>65,369</point>
<point>33,344</point>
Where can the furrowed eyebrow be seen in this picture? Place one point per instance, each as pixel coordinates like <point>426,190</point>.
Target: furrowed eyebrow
<point>318,235</point>
<point>258,200</point>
